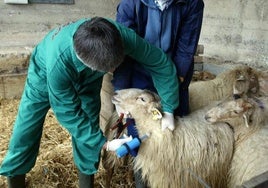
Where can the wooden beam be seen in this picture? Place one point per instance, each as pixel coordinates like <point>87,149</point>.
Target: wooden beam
<point>12,85</point>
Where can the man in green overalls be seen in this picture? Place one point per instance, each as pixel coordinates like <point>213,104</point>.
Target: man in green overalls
<point>65,74</point>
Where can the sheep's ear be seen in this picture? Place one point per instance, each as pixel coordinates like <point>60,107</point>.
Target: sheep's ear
<point>245,117</point>
<point>156,114</point>
<point>246,106</point>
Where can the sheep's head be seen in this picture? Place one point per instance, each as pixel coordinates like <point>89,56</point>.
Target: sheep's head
<point>229,110</point>
<point>137,103</point>
<point>202,76</point>
<point>246,83</point>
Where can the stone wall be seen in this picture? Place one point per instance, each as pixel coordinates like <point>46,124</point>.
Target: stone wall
<point>236,30</point>
<point>233,30</point>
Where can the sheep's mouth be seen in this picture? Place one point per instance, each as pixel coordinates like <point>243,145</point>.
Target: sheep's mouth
<point>209,119</point>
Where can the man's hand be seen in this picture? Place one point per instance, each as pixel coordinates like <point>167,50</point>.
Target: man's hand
<point>113,145</point>
<point>168,121</point>
<point>181,79</point>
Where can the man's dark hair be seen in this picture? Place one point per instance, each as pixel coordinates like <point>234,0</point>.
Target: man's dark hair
<point>98,44</point>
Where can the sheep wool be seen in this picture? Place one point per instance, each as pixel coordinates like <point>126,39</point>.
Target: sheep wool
<point>195,154</point>
<point>250,158</point>
<point>201,93</point>
<point>251,149</point>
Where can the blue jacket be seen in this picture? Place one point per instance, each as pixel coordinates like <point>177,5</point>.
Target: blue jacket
<point>175,30</point>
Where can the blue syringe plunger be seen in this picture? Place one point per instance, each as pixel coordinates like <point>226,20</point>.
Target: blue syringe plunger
<point>127,147</point>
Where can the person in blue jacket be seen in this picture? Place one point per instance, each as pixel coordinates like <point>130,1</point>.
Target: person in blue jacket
<point>172,25</point>
<point>65,73</point>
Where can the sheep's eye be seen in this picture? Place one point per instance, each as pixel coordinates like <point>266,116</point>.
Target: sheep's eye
<point>236,112</point>
<point>141,98</point>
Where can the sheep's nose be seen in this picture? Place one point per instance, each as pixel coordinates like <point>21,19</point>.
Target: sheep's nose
<point>236,96</point>
<point>207,117</point>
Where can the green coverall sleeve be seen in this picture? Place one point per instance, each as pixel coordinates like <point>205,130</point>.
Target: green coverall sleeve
<point>161,67</point>
<point>67,106</point>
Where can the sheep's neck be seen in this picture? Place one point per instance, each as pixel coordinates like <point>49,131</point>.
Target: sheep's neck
<point>259,114</point>
<point>257,119</point>
<point>145,124</point>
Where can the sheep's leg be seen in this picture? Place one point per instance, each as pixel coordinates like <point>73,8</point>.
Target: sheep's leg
<point>108,177</point>
<point>130,173</point>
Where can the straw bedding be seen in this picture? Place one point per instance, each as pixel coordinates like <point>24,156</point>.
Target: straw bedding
<point>54,166</point>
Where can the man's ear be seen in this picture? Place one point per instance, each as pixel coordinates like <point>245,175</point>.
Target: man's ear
<point>156,114</point>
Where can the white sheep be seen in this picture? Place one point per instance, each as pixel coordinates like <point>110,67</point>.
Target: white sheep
<point>240,80</point>
<point>252,111</point>
<point>248,117</point>
<point>195,154</point>
<point>201,93</point>
<point>252,84</point>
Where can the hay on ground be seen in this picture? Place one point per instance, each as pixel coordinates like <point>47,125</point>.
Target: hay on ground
<point>54,167</point>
